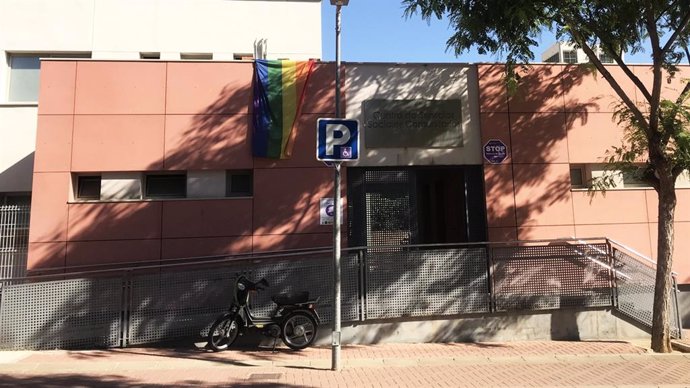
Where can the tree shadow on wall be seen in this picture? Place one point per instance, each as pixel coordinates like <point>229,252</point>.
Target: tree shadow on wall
<point>217,136</point>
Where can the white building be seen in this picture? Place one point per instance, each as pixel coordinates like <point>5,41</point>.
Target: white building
<point>130,29</point>
<point>565,52</point>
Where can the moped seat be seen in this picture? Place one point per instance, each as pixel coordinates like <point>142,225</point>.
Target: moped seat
<point>290,298</point>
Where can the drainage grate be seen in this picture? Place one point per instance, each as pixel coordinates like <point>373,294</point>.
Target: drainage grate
<point>265,376</point>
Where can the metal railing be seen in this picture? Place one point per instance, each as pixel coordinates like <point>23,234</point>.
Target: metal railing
<point>149,302</point>
<point>14,240</point>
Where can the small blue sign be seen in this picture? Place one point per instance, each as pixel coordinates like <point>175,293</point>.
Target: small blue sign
<point>495,151</point>
<point>337,140</point>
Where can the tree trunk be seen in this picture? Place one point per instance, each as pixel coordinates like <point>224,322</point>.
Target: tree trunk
<point>661,340</point>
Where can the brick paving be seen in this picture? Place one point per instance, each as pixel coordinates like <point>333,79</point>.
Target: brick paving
<point>540,364</point>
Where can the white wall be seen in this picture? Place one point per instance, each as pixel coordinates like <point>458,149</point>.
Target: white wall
<point>409,82</point>
<point>17,145</point>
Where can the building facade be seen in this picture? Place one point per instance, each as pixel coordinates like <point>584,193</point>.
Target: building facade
<point>139,160</point>
<point>215,30</point>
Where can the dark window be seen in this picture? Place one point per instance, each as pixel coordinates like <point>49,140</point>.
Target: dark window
<point>577,180</point>
<point>89,187</point>
<point>150,55</point>
<point>197,56</point>
<point>239,184</point>
<point>166,186</point>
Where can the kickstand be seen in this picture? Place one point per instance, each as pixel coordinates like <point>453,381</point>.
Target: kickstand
<point>275,341</point>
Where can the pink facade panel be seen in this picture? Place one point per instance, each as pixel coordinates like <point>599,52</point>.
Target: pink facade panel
<point>502,234</point>
<point>207,218</point>
<point>287,201</point>
<point>682,205</point>
<point>264,243</point>
<point>202,88</point>
<point>53,143</point>
<point>588,91</point>
<point>114,221</point>
<point>681,257</point>
<point>57,88</point>
<point>120,88</point>
<point>670,89</point>
<point>591,135</point>
<point>108,252</point>
<point>46,255</point>
<point>543,194</point>
<point>493,94</point>
<point>546,232</point>
<point>205,246</point>
<point>615,206</point>
<point>540,90</point>
<point>539,138</point>
<point>319,96</point>
<point>500,197</point>
<point>118,143</point>
<point>49,207</point>
<point>208,142</point>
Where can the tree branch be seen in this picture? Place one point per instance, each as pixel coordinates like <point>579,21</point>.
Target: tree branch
<point>671,40</point>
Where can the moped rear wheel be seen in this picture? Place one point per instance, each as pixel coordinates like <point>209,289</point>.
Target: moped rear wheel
<point>299,330</point>
<point>223,333</point>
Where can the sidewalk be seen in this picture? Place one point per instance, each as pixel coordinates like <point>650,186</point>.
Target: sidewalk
<point>391,365</point>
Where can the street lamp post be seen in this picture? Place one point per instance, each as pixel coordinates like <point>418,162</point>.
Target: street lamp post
<point>335,362</point>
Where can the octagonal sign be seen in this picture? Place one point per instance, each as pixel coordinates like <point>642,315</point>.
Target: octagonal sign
<point>495,151</point>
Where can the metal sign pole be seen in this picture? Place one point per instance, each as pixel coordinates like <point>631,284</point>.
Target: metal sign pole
<point>335,362</point>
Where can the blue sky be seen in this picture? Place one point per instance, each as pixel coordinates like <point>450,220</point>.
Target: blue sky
<point>377,31</point>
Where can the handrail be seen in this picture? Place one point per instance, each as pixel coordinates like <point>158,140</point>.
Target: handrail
<point>640,255</point>
<point>251,256</point>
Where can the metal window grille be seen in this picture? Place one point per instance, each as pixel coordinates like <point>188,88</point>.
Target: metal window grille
<point>14,240</point>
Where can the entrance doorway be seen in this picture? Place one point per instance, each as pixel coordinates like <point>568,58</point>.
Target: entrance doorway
<point>416,205</point>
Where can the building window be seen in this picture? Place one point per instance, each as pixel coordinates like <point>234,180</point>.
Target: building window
<point>89,187</point>
<point>24,71</point>
<point>239,184</point>
<point>577,177</point>
<point>24,74</point>
<point>570,56</point>
<point>15,199</point>
<point>605,58</point>
<point>633,180</point>
<point>197,56</point>
<point>150,55</point>
<point>243,57</point>
<point>162,186</point>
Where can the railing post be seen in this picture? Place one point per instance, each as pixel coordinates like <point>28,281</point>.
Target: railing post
<point>125,311</point>
<point>361,261</point>
<point>613,282</point>
<point>679,321</point>
<point>491,280</point>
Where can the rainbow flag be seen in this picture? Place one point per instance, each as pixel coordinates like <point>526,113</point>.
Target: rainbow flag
<point>278,94</point>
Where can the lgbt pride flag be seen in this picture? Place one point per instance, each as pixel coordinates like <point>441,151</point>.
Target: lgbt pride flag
<point>278,94</point>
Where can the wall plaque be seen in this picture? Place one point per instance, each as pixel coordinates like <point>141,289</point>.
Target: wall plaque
<point>412,123</point>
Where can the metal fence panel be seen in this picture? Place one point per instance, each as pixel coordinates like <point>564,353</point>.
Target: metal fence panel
<point>551,277</point>
<point>180,304</point>
<point>635,290</point>
<point>177,304</point>
<point>64,314</point>
<point>426,282</point>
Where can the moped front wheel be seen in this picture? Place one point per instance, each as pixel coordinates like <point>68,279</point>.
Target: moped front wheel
<point>299,330</point>
<point>223,333</point>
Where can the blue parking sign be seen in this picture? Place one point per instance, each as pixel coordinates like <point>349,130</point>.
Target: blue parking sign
<point>337,140</point>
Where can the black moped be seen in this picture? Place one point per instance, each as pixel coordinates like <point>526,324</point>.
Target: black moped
<point>295,318</point>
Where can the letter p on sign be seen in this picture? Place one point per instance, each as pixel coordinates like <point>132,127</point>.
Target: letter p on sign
<point>337,140</point>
